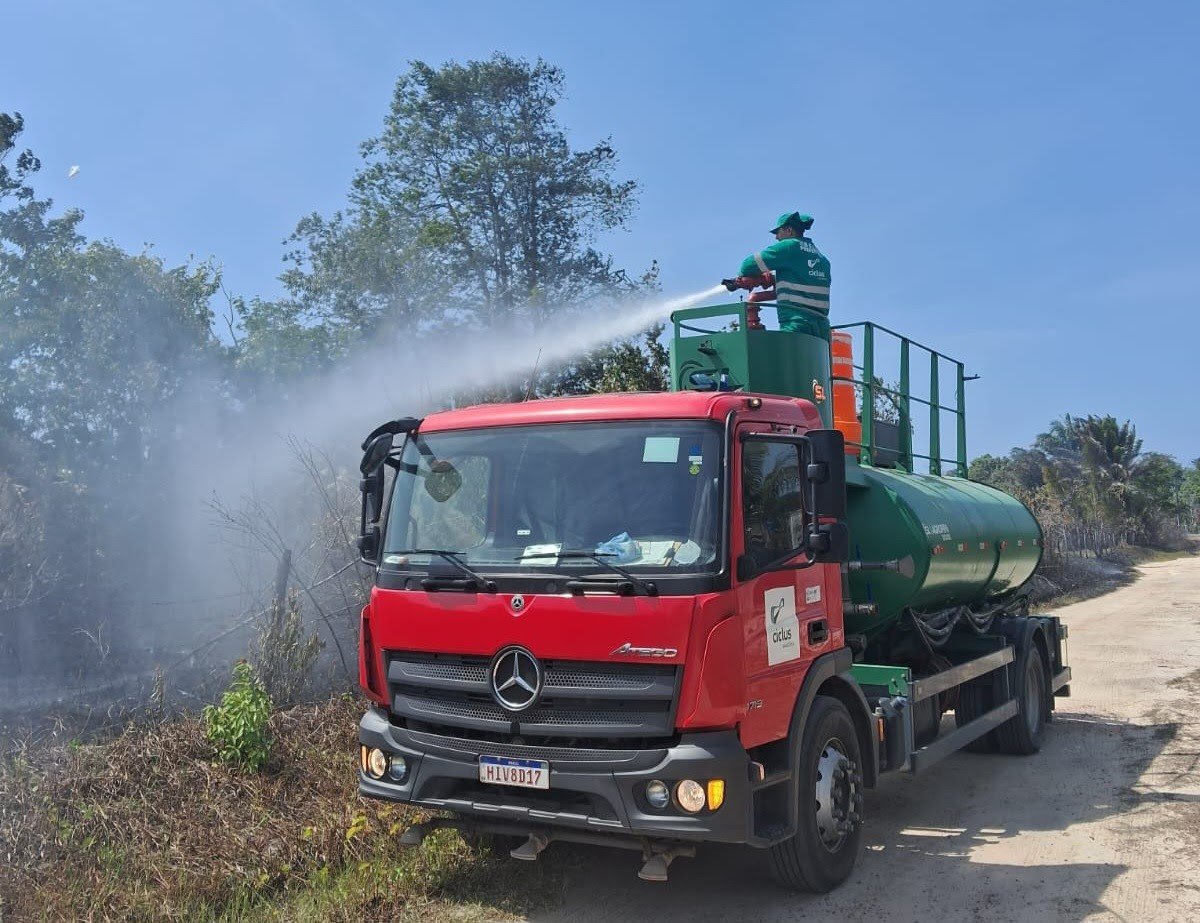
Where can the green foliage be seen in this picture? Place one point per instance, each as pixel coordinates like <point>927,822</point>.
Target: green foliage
<point>471,208</point>
<point>1189,495</point>
<point>95,344</point>
<point>503,207</point>
<point>237,728</point>
<point>635,364</point>
<point>1091,486</point>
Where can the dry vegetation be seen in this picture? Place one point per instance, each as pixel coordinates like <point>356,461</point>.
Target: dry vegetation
<point>149,826</point>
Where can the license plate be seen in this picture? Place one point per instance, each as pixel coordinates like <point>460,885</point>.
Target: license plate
<point>503,770</point>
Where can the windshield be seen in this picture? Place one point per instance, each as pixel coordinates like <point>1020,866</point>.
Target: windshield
<point>641,495</point>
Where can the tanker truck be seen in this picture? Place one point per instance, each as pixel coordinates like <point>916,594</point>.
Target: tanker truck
<point>714,614</point>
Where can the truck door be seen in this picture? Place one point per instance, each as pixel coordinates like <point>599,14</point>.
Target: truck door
<point>783,612</point>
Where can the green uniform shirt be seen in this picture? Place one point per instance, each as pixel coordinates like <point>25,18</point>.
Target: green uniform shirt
<point>801,278</point>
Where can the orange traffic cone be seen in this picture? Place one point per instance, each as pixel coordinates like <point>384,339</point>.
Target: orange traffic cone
<point>845,405</point>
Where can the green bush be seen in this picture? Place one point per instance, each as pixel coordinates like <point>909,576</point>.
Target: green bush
<point>238,726</point>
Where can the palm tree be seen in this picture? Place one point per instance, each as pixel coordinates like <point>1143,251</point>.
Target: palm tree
<point>1109,452</point>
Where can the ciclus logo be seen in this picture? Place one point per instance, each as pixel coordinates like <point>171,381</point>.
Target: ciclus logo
<point>781,625</point>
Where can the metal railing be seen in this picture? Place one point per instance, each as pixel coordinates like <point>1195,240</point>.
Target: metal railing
<point>903,398</point>
<point>734,309</point>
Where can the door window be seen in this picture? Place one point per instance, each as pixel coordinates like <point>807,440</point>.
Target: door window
<point>772,508</point>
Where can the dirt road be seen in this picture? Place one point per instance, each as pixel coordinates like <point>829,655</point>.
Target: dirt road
<point>1103,824</point>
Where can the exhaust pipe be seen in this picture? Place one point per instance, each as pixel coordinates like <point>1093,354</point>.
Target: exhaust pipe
<point>658,859</point>
<point>531,848</point>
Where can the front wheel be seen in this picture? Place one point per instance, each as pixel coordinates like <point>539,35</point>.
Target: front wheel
<point>821,854</point>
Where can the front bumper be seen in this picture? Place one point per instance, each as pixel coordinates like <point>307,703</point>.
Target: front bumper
<point>589,790</point>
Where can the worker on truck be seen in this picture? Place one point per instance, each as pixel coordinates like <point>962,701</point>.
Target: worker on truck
<point>801,276</point>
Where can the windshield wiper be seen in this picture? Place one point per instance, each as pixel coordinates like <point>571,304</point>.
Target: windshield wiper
<point>598,556</point>
<point>455,558</point>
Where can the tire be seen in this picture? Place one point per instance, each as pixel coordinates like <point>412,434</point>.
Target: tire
<point>1022,734</point>
<point>974,699</point>
<point>818,857</point>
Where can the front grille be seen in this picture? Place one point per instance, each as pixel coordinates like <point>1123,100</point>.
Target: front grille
<point>592,700</point>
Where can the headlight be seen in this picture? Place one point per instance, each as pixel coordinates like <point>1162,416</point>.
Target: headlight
<point>689,794</point>
<point>398,768</point>
<point>377,763</point>
<point>657,794</point>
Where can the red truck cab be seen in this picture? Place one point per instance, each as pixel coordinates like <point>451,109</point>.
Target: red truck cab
<point>615,619</point>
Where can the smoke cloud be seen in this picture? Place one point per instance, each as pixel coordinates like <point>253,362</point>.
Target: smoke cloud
<point>203,576</point>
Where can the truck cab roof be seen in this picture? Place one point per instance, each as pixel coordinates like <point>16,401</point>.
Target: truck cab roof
<point>642,405</point>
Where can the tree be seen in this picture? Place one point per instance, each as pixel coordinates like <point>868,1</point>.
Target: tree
<point>1189,493</point>
<point>471,208</point>
<point>1155,497</point>
<point>1108,450</point>
<point>93,340</point>
<point>502,206</point>
<point>27,235</point>
<point>96,344</point>
<point>1018,473</point>
<point>1158,481</point>
<point>634,364</point>
<point>1087,464</point>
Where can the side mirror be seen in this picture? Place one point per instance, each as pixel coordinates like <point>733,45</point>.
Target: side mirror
<point>372,495</point>
<point>368,545</point>
<point>375,452</point>
<point>827,472</point>
<point>829,543</point>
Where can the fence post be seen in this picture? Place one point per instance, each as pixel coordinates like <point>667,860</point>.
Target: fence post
<point>935,418</point>
<point>868,403</point>
<point>905,418</point>
<point>961,401</point>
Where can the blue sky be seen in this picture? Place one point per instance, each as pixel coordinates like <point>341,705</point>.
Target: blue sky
<point>1015,184</point>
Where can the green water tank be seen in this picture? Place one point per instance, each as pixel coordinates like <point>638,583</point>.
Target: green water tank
<point>969,543</point>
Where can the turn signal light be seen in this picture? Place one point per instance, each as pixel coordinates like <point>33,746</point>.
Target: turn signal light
<point>716,793</point>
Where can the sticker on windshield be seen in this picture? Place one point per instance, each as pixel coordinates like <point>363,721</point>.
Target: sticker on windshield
<point>695,460</point>
<point>783,629</point>
<point>662,449</point>
<point>540,555</point>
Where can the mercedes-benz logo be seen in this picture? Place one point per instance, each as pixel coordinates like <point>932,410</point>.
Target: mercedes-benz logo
<point>516,678</point>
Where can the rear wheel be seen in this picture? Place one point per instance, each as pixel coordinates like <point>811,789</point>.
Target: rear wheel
<point>821,854</point>
<point>1022,734</point>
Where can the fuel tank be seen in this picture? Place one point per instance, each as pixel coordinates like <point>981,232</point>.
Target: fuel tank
<point>969,543</point>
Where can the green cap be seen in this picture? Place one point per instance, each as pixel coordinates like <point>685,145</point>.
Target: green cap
<point>795,219</point>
